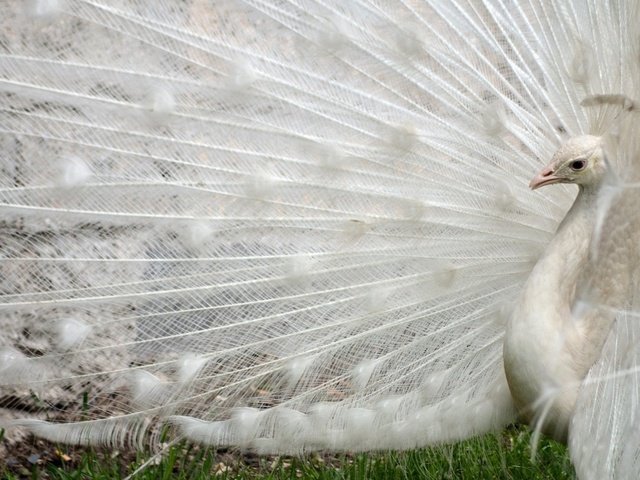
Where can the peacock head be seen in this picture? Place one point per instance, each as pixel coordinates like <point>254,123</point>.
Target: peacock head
<point>580,160</point>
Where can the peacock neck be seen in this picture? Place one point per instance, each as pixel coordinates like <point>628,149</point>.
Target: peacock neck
<point>542,339</point>
<point>556,274</point>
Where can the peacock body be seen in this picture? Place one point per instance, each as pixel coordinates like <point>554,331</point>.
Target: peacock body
<point>295,225</point>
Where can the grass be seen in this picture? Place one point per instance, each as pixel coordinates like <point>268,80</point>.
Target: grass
<point>504,456</point>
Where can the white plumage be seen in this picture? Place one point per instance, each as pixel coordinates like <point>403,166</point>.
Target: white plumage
<point>292,225</point>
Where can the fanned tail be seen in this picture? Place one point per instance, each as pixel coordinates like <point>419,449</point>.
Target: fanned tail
<point>277,225</point>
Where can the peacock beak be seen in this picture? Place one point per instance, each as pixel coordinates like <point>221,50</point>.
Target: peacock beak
<point>546,176</point>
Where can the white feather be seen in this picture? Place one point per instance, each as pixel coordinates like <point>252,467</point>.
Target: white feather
<point>303,225</point>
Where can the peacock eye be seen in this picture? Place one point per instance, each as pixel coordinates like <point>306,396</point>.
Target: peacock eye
<point>578,165</point>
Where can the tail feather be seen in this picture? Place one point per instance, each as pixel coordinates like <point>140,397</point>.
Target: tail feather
<point>279,225</point>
